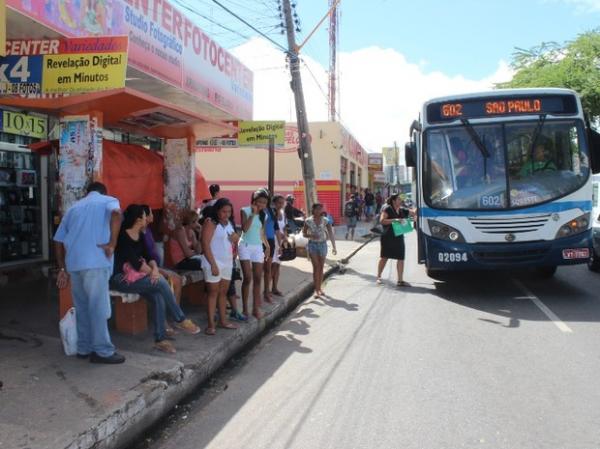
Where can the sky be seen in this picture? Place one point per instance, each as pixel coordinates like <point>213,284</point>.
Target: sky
<point>396,54</point>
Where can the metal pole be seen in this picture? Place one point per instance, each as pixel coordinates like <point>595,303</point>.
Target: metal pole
<point>308,170</point>
<point>271,178</point>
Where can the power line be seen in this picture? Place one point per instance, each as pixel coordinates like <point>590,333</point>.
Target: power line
<point>249,25</point>
<point>214,22</point>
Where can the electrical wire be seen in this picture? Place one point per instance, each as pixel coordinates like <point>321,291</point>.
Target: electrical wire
<point>249,25</point>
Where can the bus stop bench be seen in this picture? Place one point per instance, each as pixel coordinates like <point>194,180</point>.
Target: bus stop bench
<point>194,288</point>
<point>131,314</point>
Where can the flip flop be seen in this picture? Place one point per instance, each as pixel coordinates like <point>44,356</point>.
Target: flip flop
<point>403,284</point>
<point>210,331</point>
<point>228,326</point>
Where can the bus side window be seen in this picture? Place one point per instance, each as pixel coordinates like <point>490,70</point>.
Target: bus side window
<point>595,150</point>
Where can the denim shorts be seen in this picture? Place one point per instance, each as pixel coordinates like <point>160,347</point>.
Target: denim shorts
<point>317,248</point>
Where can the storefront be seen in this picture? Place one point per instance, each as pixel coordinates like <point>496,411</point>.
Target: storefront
<point>340,166</point>
<point>23,189</point>
<point>178,86</point>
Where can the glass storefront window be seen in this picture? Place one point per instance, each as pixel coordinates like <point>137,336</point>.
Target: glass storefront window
<point>20,206</point>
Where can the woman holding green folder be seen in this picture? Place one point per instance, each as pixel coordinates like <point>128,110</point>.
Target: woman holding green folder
<point>394,219</point>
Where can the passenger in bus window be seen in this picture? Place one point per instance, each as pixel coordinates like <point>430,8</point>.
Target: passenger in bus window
<point>540,162</point>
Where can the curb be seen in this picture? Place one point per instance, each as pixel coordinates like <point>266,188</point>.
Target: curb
<point>161,391</point>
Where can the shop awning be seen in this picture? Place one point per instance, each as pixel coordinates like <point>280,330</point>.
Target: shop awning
<point>44,148</point>
<point>133,174</point>
<point>202,192</point>
<point>131,111</point>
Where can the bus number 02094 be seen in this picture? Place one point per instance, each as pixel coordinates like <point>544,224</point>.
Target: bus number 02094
<point>452,257</point>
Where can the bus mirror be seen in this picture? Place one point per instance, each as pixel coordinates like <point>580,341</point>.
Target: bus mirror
<point>410,154</point>
<point>595,151</point>
<point>415,126</point>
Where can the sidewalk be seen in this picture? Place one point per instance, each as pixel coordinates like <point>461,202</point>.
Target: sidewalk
<point>50,401</point>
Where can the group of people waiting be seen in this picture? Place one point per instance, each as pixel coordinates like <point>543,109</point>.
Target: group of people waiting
<point>366,205</point>
<point>94,231</point>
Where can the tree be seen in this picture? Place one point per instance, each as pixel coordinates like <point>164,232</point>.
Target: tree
<point>574,65</point>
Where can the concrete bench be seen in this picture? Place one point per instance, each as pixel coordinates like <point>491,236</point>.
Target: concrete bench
<point>131,314</point>
<point>194,288</point>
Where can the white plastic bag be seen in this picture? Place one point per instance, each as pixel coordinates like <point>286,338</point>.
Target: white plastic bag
<point>68,332</point>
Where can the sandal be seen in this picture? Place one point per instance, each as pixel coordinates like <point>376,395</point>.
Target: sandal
<point>228,326</point>
<point>379,281</point>
<point>165,346</point>
<point>210,331</point>
<point>403,284</point>
<point>277,292</point>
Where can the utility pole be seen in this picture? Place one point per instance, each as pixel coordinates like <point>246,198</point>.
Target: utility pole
<point>306,157</point>
<point>333,41</point>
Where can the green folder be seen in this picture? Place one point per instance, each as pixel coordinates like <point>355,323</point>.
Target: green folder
<point>400,228</point>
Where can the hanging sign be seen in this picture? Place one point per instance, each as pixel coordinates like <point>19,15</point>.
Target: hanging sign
<point>258,133</point>
<point>24,124</point>
<point>63,66</point>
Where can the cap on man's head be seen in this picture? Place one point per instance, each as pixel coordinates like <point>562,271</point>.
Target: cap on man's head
<point>289,198</point>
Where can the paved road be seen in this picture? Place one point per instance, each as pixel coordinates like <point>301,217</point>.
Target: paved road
<point>484,361</point>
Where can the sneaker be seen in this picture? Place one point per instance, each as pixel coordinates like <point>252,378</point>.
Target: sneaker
<point>235,315</point>
<point>114,359</point>
<point>188,326</point>
<point>83,356</point>
<point>165,346</point>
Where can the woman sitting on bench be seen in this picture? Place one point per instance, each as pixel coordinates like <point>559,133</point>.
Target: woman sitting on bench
<point>137,272</point>
<point>185,244</point>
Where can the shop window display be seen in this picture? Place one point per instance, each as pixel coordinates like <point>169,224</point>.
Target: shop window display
<point>20,207</point>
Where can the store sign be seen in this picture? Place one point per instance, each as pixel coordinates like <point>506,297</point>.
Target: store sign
<point>63,66</point>
<point>352,149</point>
<point>259,133</point>
<point>375,161</point>
<point>24,124</point>
<point>2,27</point>
<point>379,177</point>
<point>390,155</point>
<point>164,43</point>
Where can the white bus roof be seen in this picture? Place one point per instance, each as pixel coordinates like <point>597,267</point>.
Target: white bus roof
<point>502,92</point>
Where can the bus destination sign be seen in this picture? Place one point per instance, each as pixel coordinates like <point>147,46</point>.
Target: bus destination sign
<point>495,107</point>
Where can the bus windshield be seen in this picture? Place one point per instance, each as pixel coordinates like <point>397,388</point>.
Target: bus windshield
<point>503,165</point>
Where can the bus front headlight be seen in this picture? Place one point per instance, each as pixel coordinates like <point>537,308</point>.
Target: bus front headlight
<point>574,226</point>
<point>444,232</point>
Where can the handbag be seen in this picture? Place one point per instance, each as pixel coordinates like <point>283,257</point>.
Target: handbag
<point>288,251</point>
<point>131,275</point>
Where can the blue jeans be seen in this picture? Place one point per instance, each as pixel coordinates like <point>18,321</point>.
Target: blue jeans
<point>89,289</point>
<point>159,295</point>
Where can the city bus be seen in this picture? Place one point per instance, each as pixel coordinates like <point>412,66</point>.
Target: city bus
<point>503,180</point>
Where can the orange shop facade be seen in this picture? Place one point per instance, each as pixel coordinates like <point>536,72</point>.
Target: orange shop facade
<point>180,86</point>
<point>340,162</point>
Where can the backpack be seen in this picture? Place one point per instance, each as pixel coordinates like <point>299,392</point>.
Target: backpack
<point>350,209</point>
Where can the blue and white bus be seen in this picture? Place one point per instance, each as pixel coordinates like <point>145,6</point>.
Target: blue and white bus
<point>503,180</point>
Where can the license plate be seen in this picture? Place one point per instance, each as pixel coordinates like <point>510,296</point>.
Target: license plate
<point>578,253</point>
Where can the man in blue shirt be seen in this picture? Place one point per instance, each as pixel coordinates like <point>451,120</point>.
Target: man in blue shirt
<point>85,242</point>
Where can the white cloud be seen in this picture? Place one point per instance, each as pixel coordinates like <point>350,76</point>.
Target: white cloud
<point>381,93</point>
<point>584,6</point>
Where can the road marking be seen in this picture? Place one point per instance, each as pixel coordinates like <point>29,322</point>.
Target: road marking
<point>538,302</point>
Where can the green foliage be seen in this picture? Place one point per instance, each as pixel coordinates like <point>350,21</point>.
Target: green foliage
<point>574,65</point>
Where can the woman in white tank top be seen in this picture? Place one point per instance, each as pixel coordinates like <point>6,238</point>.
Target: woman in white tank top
<point>218,238</point>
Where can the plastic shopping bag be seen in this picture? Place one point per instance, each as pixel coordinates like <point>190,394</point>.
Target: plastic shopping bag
<point>68,332</point>
<point>402,227</point>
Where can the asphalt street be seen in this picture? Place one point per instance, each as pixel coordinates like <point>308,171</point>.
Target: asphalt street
<point>485,360</point>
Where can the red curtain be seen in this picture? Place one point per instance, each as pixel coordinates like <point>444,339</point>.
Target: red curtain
<point>133,174</point>
<point>202,192</point>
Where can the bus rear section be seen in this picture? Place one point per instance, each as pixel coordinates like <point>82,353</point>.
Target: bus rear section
<point>504,181</point>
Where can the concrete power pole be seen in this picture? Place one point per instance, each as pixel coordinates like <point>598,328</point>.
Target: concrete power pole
<point>306,157</point>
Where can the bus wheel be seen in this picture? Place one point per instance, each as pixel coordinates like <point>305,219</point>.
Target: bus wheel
<point>546,272</point>
<point>594,262</point>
